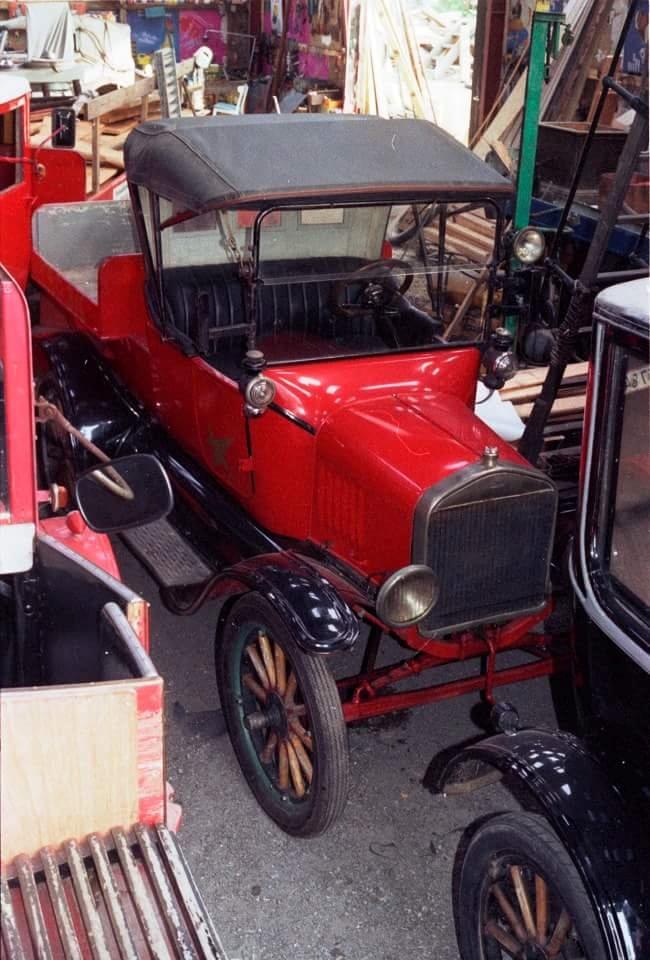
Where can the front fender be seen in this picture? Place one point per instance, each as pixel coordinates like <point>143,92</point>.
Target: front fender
<point>319,619</point>
<point>592,818</point>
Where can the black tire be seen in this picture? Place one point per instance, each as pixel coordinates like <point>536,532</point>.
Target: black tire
<point>316,707</point>
<point>406,227</point>
<point>528,842</point>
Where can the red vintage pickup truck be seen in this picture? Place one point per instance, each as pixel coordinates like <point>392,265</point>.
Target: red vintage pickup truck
<point>90,864</point>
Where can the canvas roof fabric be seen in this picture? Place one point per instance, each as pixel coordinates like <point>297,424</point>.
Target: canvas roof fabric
<point>266,160</point>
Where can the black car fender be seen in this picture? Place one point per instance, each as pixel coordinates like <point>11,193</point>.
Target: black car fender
<point>89,394</point>
<point>319,619</point>
<point>589,813</point>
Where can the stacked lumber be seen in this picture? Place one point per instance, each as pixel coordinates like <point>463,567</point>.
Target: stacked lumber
<point>468,235</point>
<point>111,144</point>
<point>500,132</point>
<point>526,385</point>
<point>385,70</point>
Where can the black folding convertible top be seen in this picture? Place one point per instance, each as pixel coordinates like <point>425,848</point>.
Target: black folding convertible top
<point>268,160</point>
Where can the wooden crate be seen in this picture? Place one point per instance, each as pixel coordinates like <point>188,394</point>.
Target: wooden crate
<point>78,759</point>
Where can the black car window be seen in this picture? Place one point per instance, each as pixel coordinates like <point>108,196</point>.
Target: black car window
<point>629,558</point>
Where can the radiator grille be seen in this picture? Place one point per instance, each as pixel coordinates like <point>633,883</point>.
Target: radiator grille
<point>490,545</point>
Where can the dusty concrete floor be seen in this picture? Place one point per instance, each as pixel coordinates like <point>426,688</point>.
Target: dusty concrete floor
<point>377,886</point>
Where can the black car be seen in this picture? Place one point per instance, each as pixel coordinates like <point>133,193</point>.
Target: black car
<point>569,876</point>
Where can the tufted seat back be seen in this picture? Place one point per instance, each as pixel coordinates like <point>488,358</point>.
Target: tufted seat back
<point>206,307</point>
<point>204,302</point>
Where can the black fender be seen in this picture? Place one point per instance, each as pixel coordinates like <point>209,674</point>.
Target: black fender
<point>92,398</point>
<point>319,619</point>
<point>592,817</point>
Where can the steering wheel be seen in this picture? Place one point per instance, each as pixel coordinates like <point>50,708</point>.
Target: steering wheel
<point>379,290</point>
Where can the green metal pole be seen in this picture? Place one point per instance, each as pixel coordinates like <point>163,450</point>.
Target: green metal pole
<point>530,124</point>
<point>544,38</point>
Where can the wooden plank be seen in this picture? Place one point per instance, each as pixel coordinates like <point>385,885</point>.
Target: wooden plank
<point>106,155</point>
<point>563,406</point>
<point>525,394</point>
<point>502,120</point>
<point>129,96</point>
<point>94,157</point>
<point>478,223</point>
<point>69,763</point>
<point>116,99</point>
<point>535,376</point>
<point>105,174</point>
<point>458,242</point>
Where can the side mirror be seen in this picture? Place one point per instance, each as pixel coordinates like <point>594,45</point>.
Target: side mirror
<point>64,125</point>
<point>125,493</point>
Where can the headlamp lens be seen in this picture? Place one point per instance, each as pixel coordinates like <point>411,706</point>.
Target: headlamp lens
<point>407,596</point>
<point>529,245</point>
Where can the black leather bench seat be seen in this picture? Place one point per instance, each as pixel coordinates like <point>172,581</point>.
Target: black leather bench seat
<point>206,306</point>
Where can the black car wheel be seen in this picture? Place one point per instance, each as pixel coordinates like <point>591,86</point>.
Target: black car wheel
<point>519,896</point>
<point>284,717</point>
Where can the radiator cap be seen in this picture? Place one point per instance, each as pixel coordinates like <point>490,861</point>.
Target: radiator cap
<point>490,456</point>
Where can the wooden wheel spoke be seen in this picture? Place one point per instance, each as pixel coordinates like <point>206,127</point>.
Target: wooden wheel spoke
<point>292,684</point>
<point>267,656</point>
<point>299,730</point>
<point>509,913</point>
<point>296,710</point>
<point>562,927</point>
<point>255,688</point>
<point>280,669</point>
<point>258,666</point>
<point>522,899</point>
<point>296,773</point>
<point>303,759</point>
<point>507,941</point>
<point>269,748</point>
<point>283,766</point>
<point>541,909</point>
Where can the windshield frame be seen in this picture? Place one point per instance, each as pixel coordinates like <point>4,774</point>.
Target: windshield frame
<point>256,279</point>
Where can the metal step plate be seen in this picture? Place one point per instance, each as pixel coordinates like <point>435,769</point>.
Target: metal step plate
<point>168,556</point>
<point>128,894</point>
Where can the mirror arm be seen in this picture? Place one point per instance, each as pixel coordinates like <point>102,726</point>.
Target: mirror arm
<point>49,411</point>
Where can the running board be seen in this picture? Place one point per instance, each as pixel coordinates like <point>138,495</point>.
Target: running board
<point>167,555</point>
<point>129,894</point>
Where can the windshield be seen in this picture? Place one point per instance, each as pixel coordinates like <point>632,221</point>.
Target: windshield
<point>328,281</point>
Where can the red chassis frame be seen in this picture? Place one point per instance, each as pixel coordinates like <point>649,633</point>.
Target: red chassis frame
<point>362,695</point>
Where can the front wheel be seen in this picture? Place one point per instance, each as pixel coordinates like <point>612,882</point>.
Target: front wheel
<point>283,713</point>
<point>519,896</point>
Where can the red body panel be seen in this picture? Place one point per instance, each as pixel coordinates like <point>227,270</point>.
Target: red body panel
<point>73,532</point>
<point>381,429</point>
<point>314,391</point>
<point>16,359</point>
<point>375,460</point>
<point>46,174</point>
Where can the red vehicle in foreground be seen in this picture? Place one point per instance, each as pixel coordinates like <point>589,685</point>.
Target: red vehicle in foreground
<point>313,401</point>
<point>90,865</point>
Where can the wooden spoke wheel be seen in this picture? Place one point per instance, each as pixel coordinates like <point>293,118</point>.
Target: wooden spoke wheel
<point>519,896</point>
<point>284,717</point>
